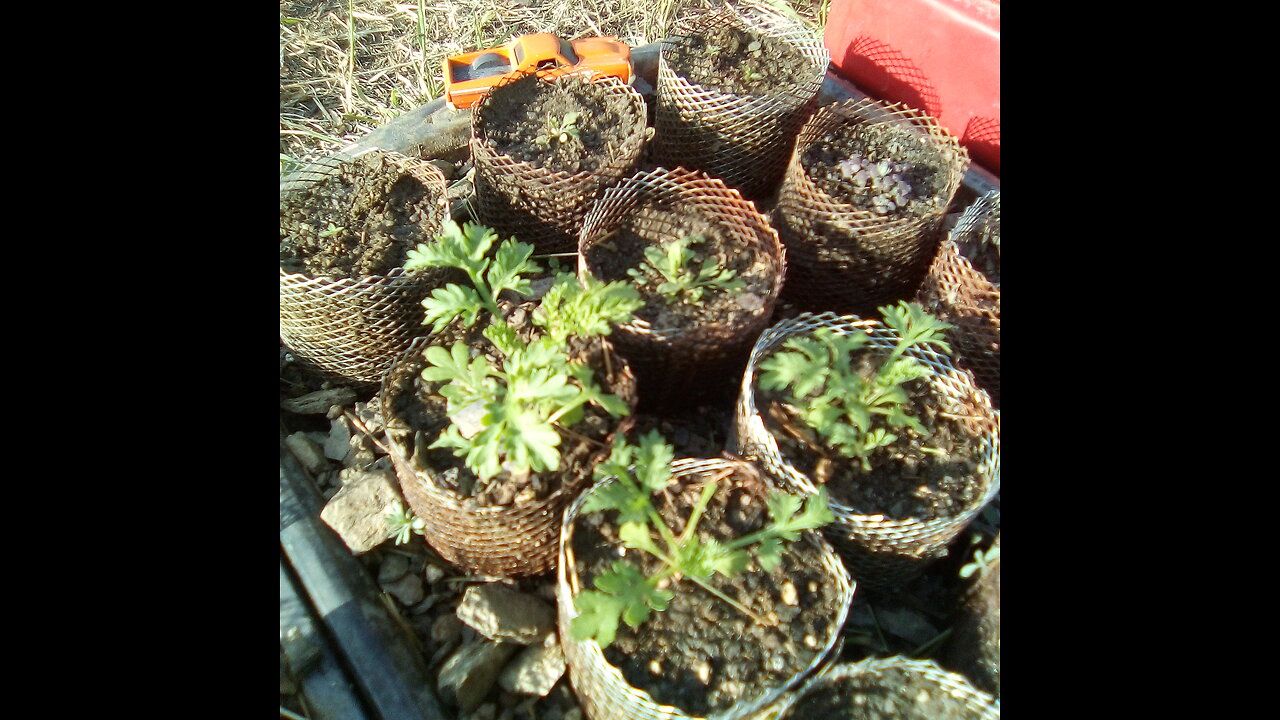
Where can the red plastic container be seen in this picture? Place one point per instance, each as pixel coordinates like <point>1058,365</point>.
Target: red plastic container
<point>941,57</point>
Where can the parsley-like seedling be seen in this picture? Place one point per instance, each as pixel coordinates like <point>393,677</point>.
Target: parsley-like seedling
<point>624,593</point>
<point>560,131</point>
<point>505,416</point>
<point>672,265</point>
<point>853,413</point>
<point>467,248</point>
<point>331,230</point>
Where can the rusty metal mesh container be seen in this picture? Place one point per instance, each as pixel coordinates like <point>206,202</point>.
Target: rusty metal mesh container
<point>956,291</point>
<point>970,701</point>
<point>742,139</point>
<point>603,692</point>
<point>850,260</point>
<point>508,541</point>
<point>536,205</point>
<point>675,365</point>
<point>882,552</point>
<point>355,327</point>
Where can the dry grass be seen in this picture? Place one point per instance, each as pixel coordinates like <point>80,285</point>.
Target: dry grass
<point>350,66</point>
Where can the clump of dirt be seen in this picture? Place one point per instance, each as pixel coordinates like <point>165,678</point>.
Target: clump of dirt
<point>656,225</point>
<point>359,221</point>
<point>737,61</point>
<point>917,476</point>
<point>878,168</point>
<point>701,654</point>
<point>570,125</point>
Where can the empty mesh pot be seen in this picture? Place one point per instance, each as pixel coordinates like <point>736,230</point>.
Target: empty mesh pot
<point>861,205</point>
<point>354,324</point>
<point>743,139</point>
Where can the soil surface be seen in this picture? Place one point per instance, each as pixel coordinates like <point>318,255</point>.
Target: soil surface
<point>422,408</point>
<point>527,110</point>
<point>905,482</point>
<point>737,61</point>
<point>701,654</point>
<point>654,226</point>
<point>878,168</point>
<point>885,694</point>
<point>360,221</point>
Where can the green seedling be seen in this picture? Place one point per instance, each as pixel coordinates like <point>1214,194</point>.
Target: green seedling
<point>331,230</point>
<point>560,131</point>
<point>404,523</point>
<point>672,265</point>
<point>505,415</point>
<point>467,248</point>
<point>981,560</point>
<point>854,414</point>
<point>624,593</point>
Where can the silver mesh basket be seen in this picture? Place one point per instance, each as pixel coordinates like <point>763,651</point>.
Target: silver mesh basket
<point>603,692</point>
<point>881,551</point>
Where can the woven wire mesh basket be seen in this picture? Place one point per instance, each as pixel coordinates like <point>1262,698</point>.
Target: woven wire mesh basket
<point>956,291</point>
<point>970,701</point>
<point>882,552</point>
<point>508,541</point>
<point>851,260</point>
<point>536,205</point>
<point>355,327</point>
<point>742,139</point>
<point>675,364</point>
<point>604,693</point>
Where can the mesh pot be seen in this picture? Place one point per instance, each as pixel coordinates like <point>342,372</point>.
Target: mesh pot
<point>741,139</point>
<point>604,693</point>
<point>958,292</point>
<point>678,365</point>
<point>355,327</point>
<point>516,540</point>
<point>866,677</point>
<point>539,206</point>
<point>847,259</point>
<point>882,552</point>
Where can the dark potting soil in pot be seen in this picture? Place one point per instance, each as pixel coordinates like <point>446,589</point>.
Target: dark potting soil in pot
<point>654,225</point>
<point>422,408</point>
<point>883,694</point>
<point>701,654</point>
<point>905,482</point>
<point>878,168</point>
<point>737,61</point>
<point>360,221</point>
<point>523,111</point>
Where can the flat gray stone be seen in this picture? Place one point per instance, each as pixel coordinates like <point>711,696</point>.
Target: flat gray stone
<point>393,567</point>
<point>500,613</point>
<point>339,442</point>
<point>408,590</point>
<point>308,452</point>
<point>319,402</point>
<point>357,513</point>
<point>535,669</point>
<point>470,673</point>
